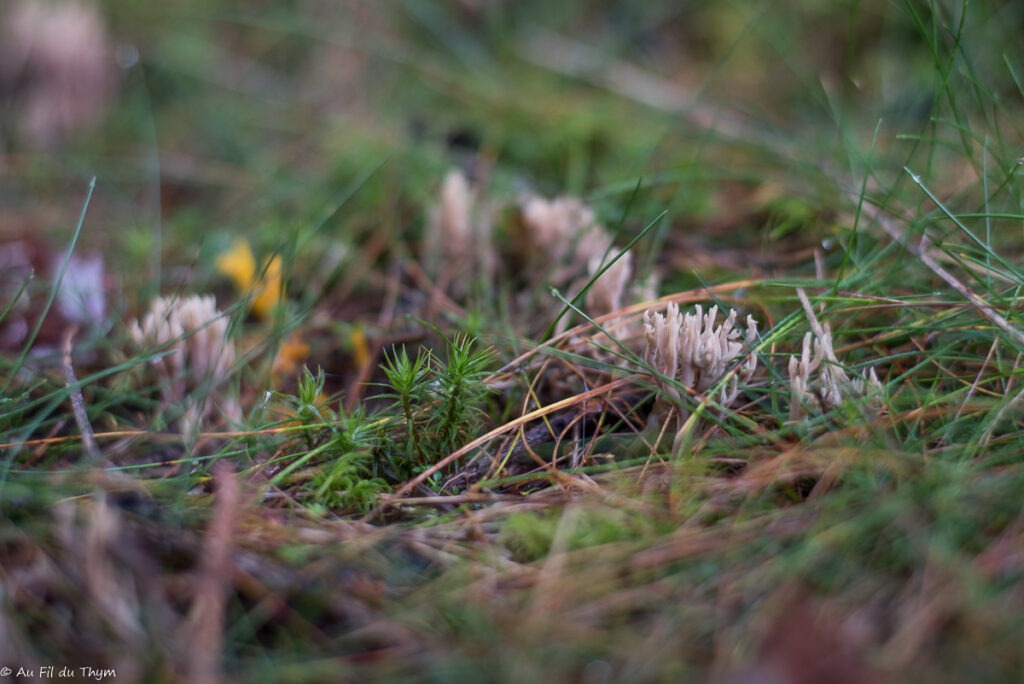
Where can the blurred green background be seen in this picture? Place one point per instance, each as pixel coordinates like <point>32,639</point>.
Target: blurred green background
<point>262,118</point>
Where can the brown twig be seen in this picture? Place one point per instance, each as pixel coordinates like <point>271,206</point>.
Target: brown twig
<point>173,437</point>
<point>204,637</point>
<point>920,251</point>
<point>501,429</point>
<point>75,394</point>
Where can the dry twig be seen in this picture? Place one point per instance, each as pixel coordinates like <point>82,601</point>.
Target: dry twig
<point>920,251</point>
<point>204,635</point>
<point>75,393</point>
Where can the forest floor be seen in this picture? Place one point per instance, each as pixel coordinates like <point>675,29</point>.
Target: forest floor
<point>481,341</point>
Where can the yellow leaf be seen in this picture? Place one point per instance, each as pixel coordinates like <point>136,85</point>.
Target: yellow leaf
<point>265,287</point>
<point>293,352</point>
<point>238,264</point>
<point>270,290</point>
<point>360,348</point>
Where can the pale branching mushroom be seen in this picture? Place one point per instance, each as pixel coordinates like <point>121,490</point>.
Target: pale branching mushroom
<point>565,233</point>
<point>195,356</point>
<point>452,218</point>
<point>832,384</point>
<point>610,295</point>
<point>458,239</point>
<point>689,350</point>
<point>606,294</point>
<point>56,58</point>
